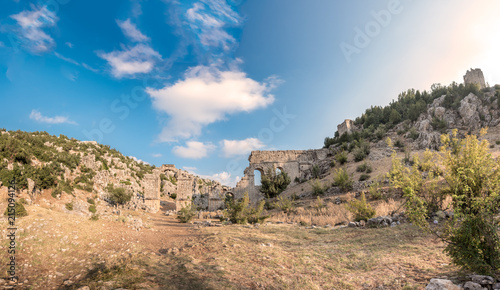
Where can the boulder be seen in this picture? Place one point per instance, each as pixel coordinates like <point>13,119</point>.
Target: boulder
<point>469,285</point>
<point>441,284</point>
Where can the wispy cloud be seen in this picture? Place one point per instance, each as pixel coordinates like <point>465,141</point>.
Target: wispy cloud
<point>209,20</point>
<point>67,59</point>
<point>157,155</point>
<point>240,147</point>
<point>194,150</point>
<point>189,168</point>
<point>130,30</point>
<point>31,28</point>
<point>130,61</point>
<point>69,44</point>
<point>207,95</point>
<point>37,116</point>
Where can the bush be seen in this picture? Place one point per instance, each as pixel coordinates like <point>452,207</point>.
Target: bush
<point>365,167</point>
<point>20,210</point>
<point>186,213</point>
<point>413,134</point>
<point>94,217</point>
<point>316,172</point>
<point>342,179</point>
<point>118,195</point>
<point>317,187</point>
<point>274,183</point>
<point>241,212</point>
<point>173,195</point>
<point>363,177</point>
<point>69,206</point>
<point>341,157</point>
<point>473,179</point>
<point>90,200</point>
<point>284,204</point>
<point>92,208</point>
<point>361,209</point>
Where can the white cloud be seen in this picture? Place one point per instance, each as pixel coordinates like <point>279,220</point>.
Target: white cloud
<point>130,30</point>
<point>89,67</point>
<point>224,178</point>
<point>37,116</point>
<point>207,95</point>
<point>193,150</point>
<point>131,60</point>
<point>58,55</point>
<point>208,20</point>
<point>157,155</point>
<point>240,147</point>
<point>189,168</point>
<point>138,160</point>
<point>32,24</point>
<point>69,44</point>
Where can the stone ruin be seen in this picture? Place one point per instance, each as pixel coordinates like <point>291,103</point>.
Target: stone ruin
<point>346,127</point>
<point>475,76</point>
<point>296,163</point>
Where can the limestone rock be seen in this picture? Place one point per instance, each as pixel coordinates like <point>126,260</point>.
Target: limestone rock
<point>441,284</point>
<point>473,286</point>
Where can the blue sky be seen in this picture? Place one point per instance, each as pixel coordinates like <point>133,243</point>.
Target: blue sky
<point>202,83</point>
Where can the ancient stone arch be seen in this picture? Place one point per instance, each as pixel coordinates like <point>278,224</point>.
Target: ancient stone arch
<point>294,162</point>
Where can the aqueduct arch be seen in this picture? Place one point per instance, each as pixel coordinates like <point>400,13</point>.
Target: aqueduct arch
<point>294,162</point>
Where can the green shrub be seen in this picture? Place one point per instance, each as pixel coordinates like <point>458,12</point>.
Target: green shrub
<point>317,187</point>
<point>473,179</point>
<point>363,177</point>
<point>186,213</point>
<point>56,191</point>
<point>272,183</point>
<point>90,200</point>
<point>413,134</point>
<point>241,212</point>
<point>497,142</point>
<point>341,157</point>
<point>94,217</point>
<point>361,209</point>
<point>23,201</point>
<point>173,195</point>
<point>118,195</point>
<point>342,179</point>
<point>69,206</point>
<point>332,163</point>
<point>173,180</point>
<point>285,204</point>
<point>365,167</point>
<point>20,210</point>
<point>316,172</point>
<point>374,191</point>
<point>399,144</point>
<point>92,208</point>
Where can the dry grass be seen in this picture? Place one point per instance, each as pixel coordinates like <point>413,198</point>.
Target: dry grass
<point>322,212</point>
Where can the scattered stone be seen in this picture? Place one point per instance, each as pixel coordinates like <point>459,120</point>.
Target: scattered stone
<point>441,284</point>
<point>469,285</point>
<point>483,280</point>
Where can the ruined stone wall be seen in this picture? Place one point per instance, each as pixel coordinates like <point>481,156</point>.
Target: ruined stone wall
<point>151,184</point>
<point>346,127</point>
<point>475,76</point>
<point>295,163</point>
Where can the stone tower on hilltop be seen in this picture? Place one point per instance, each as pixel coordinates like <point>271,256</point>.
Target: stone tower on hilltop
<point>475,76</point>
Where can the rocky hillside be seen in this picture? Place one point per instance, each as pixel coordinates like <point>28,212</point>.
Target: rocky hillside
<point>59,168</point>
<point>421,117</point>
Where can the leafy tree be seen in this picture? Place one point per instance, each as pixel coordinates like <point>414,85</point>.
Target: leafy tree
<point>186,213</point>
<point>472,177</point>
<point>361,209</point>
<point>241,212</point>
<point>118,195</point>
<point>274,183</point>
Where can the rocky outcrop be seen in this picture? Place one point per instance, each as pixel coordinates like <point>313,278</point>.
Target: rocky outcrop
<point>473,113</point>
